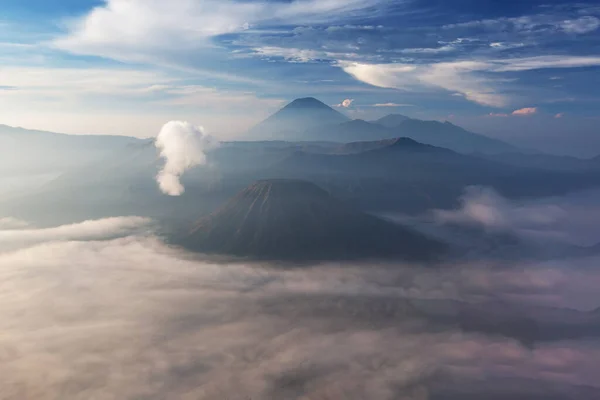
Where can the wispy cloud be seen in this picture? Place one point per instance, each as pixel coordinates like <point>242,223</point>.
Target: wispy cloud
<point>476,80</point>
<point>581,25</point>
<point>392,105</point>
<point>528,24</point>
<point>164,28</point>
<point>525,111</point>
<point>429,50</point>
<point>455,77</point>
<point>16,234</point>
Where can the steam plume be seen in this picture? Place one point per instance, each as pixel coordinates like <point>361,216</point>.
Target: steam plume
<point>346,103</point>
<point>183,146</point>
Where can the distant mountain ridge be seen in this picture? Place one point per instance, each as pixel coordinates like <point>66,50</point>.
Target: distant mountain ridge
<point>32,151</point>
<point>391,120</point>
<point>308,119</point>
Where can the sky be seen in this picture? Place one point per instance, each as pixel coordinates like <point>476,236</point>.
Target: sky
<point>526,72</point>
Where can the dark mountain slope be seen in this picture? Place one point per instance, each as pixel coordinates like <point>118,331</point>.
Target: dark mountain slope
<point>297,220</point>
<point>351,131</point>
<point>413,177</point>
<point>450,136</point>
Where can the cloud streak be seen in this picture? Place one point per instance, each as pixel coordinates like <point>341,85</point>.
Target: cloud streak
<point>163,26</point>
<point>477,81</point>
<point>525,111</point>
<point>15,233</point>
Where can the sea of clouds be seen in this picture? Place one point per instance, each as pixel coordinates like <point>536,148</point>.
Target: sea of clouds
<point>105,310</point>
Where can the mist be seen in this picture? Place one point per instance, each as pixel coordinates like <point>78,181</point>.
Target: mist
<point>105,309</point>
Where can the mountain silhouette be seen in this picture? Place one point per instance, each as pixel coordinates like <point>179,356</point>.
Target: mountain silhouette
<point>292,120</point>
<point>286,219</point>
<point>450,136</point>
<point>391,120</point>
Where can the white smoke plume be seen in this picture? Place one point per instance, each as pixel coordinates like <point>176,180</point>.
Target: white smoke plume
<point>346,103</point>
<point>183,146</point>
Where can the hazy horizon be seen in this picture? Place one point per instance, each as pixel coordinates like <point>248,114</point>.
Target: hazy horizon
<point>526,73</point>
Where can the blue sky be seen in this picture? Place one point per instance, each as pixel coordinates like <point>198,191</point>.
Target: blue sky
<point>525,71</point>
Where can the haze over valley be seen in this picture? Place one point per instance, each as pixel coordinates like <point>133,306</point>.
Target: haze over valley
<point>299,199</point>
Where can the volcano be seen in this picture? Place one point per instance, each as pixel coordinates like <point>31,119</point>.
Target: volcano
<point>294,119</point>
<point>297,220</point>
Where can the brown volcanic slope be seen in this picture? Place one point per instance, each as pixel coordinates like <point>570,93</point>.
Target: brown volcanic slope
<point>297,220</point>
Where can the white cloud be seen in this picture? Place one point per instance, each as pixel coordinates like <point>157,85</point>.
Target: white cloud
<point>20,234</point>
<point>540,23</point>
<point>543,62</point>
<point>506,46</point>
<point>525,111</point>
<point>345,103</point>
<point>69,81</point>
<point>176,327</point>
<point>471,79</point>
<point>153,30</point>
<point>581,25</point>
<point>392,105</point>
<point>290,54</point>
<point>297,55</point>
<point>573,218</point>
<point>453,76</point>
<point>12,223</point>
<point>120,101</point>
<point>429,50</point>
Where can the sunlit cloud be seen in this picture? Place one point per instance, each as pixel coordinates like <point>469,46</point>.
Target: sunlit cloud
<point>164,26</point>
<point>345,103</point>
<point>525,111</point>
<point>477,81</point>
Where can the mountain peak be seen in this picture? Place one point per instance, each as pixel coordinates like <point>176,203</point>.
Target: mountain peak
<point>286,219</point>
<point>408,144</point>
<point>294,119</point>
<point>392,120</point>
<point>307,102</point>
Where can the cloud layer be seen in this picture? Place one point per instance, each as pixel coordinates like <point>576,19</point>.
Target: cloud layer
<point>133,318</point>
<point>572,219</point>
<point>163,26</point>
<point>16,233</point>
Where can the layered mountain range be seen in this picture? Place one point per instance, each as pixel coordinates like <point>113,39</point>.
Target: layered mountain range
<point>309,119</point>
<point>393,165</point>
